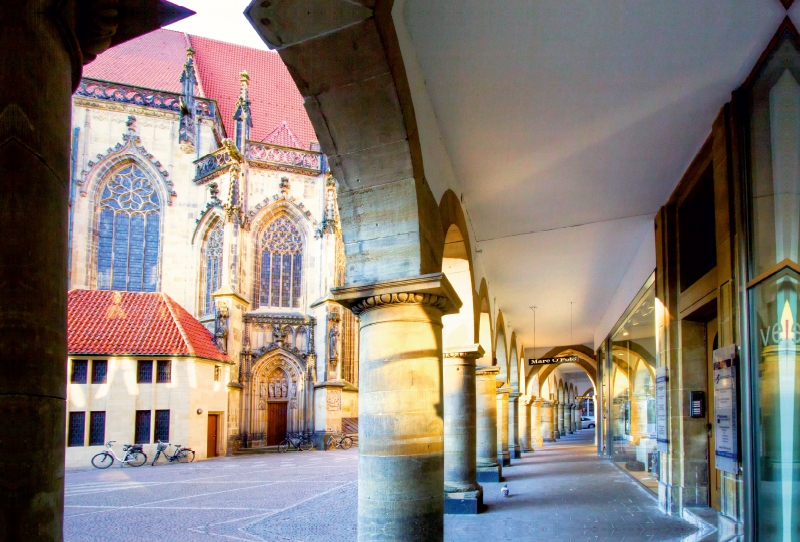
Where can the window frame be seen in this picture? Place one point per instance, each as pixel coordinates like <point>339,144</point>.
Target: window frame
<point>73,375</point>
<point>164,363</point>
<point>95,374</point>
<point>140,417</point>
<point>72,428</point>
<point>141,364</point>
<point>279,265</point>
<point>158,425</point>
<point>93,440</point>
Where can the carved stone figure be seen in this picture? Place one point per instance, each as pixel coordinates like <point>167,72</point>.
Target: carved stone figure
<point>293,389</point>
<point>334,400</point>
<point>271,388</point>
<point>262,389</point>
<point>333,340</point>
<point>284,387</point>
<point>221,328</point>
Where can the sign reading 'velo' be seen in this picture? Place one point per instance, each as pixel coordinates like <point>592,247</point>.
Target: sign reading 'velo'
<point>547,361</point>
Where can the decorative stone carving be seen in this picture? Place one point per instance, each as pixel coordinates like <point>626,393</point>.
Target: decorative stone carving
<point>377,301</point>
<point>334,400</point>
<point>221,327</point>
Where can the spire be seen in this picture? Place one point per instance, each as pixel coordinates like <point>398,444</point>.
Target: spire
<point>187,135</point>
<point>242,115</point>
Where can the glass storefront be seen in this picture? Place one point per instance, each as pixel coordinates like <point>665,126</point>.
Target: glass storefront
<point>774,150</point>
<point>629,392</point>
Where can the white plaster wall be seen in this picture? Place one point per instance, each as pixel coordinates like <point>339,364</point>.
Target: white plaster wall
<point>192,386</point>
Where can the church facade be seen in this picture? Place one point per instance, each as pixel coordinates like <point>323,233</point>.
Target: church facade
<point>195,173</point>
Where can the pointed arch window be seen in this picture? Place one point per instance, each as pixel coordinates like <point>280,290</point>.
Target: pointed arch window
<point>212,265</point>
<point>129,228</point>
<point>281,273</point>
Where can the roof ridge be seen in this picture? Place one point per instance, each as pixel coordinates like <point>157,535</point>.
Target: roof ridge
<point>189,346</point>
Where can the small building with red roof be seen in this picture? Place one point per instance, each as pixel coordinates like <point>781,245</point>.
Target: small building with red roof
<point>142,369</point>
<point>204,237</point>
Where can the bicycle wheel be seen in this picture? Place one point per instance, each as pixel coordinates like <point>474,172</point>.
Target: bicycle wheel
<point>306,444</point>
<point>346,443</point>
<point>137,459</point>
<point>103,460</point>
<point>283,446</point>
<point>185,455</point>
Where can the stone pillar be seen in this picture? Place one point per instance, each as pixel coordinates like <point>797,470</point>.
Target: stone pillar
<point>562,429</point>
<point>548,427</point>
<point>488,468</point>
<point>462,494</point>
<point>514,446</point>
<point>577,416</point>
<point>536,423</point>
<point>503,454</point>
<point>556,433</point>
<point>401,430</point>
<point>525,436</point>
<point>569,418</point>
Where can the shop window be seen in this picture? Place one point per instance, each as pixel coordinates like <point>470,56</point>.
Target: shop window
<point>128,232</point>
<point>162,425</point>
<point>99,371</point>
<point>97,429</point>
<point>77,426</point>
<point>145,372</point>
<point>697,241</point>
<point>164,371</point>
<point>80,369</point>
<point>142,427</point>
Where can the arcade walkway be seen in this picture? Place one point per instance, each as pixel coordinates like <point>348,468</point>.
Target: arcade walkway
<point>565,492</point>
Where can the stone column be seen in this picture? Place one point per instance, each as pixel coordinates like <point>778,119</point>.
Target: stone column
<point>401,430</point>
<point>514,446</point>
<point>489,469</point>
<point>577,415</point>
<point>462,494</point>
<point>548,427</point>
<point>562,429</point>
<point>569,418</point>
<point>536,423</point>
<point>525,436</point>
<point>503,454</point>
<point>556,434</point>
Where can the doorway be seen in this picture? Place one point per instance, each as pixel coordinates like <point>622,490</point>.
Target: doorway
<point>714,476</point>
<point>213,431</point>
<point>276,422</point>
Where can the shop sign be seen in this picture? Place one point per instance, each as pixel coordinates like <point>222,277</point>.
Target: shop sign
<point>726,438</point>
<point>547,361</point>
<point>662,437</point>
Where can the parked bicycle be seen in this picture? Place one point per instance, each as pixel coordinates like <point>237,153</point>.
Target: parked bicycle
<point>297,441</point>
<point>134,456</point>
<point>339,441</point>
<point>182,455</point>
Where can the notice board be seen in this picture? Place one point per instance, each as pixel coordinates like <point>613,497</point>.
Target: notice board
<point>726,418</point>
<point>662,438</point>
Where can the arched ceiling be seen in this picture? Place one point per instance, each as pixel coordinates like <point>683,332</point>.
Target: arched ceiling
<point>568,124</point>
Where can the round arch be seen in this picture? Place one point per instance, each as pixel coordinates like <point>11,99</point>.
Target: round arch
<point>501,348</point>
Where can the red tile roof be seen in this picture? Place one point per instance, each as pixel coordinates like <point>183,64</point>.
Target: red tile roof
<point>273,95</point>
<point>102,322</point>
<point>156,61</point>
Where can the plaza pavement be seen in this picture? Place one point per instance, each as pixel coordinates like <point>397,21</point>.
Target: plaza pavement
<point>562,492</point>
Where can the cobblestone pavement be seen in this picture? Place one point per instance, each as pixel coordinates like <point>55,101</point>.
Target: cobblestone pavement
<point>562,492</point>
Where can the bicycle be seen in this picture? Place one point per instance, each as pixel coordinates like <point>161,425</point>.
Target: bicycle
<point>296,441</point>
<point>182,455</point>
<point>134,456</point>
<point>344,442</point>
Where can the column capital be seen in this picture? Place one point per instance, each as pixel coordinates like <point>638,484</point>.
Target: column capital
<point>433,289</point>
<point>467,351</point>
<point>504,390</point>
<point>491,370</point>
<point>514,395</point>
<point>538,401</point>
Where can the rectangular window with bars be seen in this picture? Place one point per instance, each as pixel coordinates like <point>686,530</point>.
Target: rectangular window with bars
<point>97,428</point>
<point>142,429</point>
<point>80,369</point>
<point>164,371</point>
<point>145,372</point>
<point>77,426</point>
<point>162,425</point>
<point>99,371</point>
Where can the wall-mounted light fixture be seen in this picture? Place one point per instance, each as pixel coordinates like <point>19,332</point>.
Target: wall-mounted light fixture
<point>199,411</point>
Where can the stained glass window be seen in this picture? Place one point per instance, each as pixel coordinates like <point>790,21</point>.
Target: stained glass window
<point>97,429</point>
<point>128,229</point>
<point>161,429</point>
<point>281,280</point>
<point>212,265</point>
<point>77,426</point>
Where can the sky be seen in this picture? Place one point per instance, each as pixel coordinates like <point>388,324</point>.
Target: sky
<point>220,20</point>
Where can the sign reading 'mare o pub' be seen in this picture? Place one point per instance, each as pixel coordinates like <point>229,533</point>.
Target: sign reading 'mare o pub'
<point>548,361</point>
